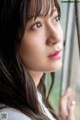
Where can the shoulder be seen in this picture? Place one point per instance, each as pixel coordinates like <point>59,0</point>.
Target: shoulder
<point>13,114</point>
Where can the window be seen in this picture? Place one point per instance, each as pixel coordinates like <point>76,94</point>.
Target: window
<point>69,75</point>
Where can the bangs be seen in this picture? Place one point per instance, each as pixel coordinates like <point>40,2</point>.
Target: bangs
<point>37,7</point>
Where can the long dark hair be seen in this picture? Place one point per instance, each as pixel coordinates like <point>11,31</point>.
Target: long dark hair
<point>15,91</point>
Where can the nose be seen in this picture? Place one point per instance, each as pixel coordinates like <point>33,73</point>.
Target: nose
<point>54,35</point>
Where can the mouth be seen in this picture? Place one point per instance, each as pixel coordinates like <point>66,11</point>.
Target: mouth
<point>56,55</point>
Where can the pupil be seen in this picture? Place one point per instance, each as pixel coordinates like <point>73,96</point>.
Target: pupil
<point>38,25</point>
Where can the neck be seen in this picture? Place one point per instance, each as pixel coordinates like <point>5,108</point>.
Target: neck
<point>36,76</point>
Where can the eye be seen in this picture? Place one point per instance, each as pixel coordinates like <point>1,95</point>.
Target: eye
<point>36,25</point>
<point>57,18</point>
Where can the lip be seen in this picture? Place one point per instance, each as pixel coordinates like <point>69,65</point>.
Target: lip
<point>55,55</point>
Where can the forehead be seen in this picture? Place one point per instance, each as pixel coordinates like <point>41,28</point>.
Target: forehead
<point>40,7</point>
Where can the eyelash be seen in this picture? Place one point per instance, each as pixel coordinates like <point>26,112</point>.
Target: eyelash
<point>38,24</point>
<point>57,18</point>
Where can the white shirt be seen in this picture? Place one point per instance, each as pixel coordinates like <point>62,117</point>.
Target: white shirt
<point>44,109</point>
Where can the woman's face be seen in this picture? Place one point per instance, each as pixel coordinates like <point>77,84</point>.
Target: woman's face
<point>41,45</point>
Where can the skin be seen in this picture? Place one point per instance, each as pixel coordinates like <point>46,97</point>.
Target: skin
<point>67,107</point>
<point>42,37</point>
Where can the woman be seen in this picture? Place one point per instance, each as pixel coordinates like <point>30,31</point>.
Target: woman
<point>30,45</point>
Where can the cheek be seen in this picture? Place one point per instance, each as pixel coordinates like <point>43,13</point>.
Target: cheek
<point>32,45</point>
<point>31,52</point>
<point>35,40</point>
<point>60,33</point>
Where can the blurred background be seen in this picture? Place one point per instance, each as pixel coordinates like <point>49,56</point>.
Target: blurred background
<point>69,75</point>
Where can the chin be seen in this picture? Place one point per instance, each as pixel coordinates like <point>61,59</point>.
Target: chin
<point>55,68</point>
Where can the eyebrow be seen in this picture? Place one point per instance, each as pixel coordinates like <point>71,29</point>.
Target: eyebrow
<point>40,15</point>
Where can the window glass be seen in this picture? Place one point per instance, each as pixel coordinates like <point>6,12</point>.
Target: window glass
<point>55,93</point>
<point>69,75</point>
